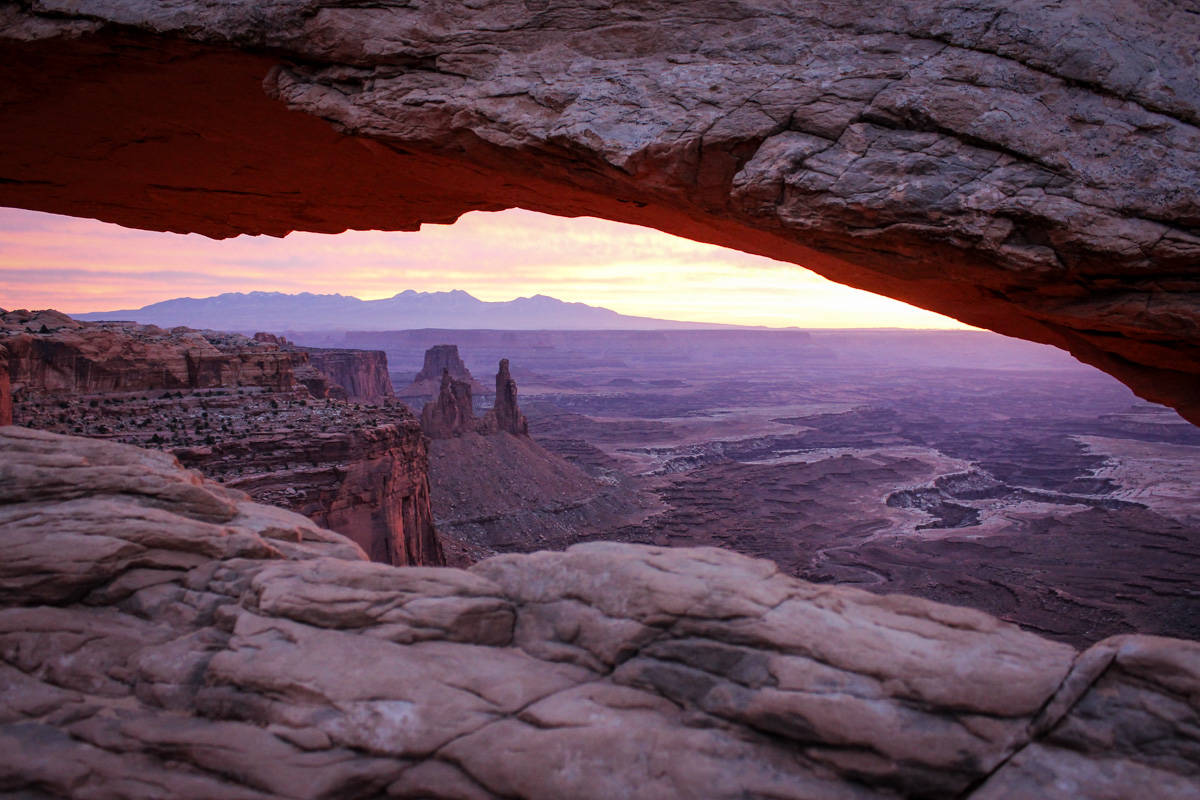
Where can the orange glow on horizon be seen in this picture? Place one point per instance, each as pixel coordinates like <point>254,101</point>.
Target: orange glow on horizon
<point>77,265</point>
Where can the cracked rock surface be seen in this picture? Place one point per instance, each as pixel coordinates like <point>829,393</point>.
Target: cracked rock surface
<point>163,636</point>
<point>1027,167</point>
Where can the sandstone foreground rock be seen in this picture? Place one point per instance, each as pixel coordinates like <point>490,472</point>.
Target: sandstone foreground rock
<point>163,636</point>
<point>1029,168</point>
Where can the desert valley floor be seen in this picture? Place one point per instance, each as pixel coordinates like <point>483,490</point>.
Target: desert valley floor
<point>959,466</point>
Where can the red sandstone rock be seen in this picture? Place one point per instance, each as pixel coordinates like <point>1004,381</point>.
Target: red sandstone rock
<point>504,415</point>
<point>1028,168</point>
<point>361,471</point>
<point>452,413</point>
<point>362,374</point>
<point>160,635</point>
<point>51,352</point>
<point>343,374</point>
<point>368,484</point>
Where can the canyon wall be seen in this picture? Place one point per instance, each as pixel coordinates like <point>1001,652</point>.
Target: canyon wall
<point>50,352</point>
<point>253,412</point>
<point>369,484</point>
<point>1028,168</point>
<point>360,375</point>
<point>161,635</point>
<point>363,374</point>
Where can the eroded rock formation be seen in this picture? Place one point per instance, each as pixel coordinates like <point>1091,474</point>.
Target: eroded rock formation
<point>362,374</point>
<point>160,634</point>
<point>344,374</point>
<point>50,352</point>
<point>494,489</point>
<point>371,484</point>
<point>505,415</point>
<point>253,413</point>
<point>1030,169</point>
<point>440,360</point>
<point>452,412</point>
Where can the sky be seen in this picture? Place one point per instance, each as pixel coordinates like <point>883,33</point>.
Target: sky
<point>77,265</point>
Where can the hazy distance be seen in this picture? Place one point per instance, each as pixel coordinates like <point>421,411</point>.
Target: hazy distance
<point>78,265</point>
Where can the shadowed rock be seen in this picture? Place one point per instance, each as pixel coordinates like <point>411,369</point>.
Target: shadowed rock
<point>160,631</point>
<point>452,413</point>
<point>361,471</point>
<point>1027,168</point>
<point>6,402</point>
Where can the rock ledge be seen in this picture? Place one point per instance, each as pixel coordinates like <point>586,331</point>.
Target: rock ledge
<point>163,635</point>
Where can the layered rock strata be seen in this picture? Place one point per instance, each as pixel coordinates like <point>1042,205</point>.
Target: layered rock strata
<point>162,635</point>
<point>369,483</point>
<point>361,470</point>
<point>362,374</point>
<point>51,353</point>
<point>345,374</point>
<point>1030,169</point>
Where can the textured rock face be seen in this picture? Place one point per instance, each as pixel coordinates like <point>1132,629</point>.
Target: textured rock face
<point>1028,168</point>
<point>439,360</point>
<point>6,404</point>
<point>362,471</point>
<point>50,352</point>
<point>363,374</point>
<point>161,635</point>
<point>369,484</point>
<point>452,413</point>
<point>505,415</point>
<point>345,374</point>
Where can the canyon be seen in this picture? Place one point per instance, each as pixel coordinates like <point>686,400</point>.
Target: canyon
<point>494,489</point>
<point>257,413</point>
<point>959,466</point>
<point>1027,169</point>
<point>164,634</point>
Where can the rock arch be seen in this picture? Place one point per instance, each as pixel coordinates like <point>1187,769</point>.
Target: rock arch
<point>1026,168</point>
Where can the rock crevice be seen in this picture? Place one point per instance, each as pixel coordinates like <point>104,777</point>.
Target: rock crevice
<point>159,631</point>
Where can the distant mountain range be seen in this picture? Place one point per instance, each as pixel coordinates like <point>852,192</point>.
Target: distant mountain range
<point>409,310</point>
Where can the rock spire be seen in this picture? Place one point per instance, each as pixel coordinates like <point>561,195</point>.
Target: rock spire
<point>505,415</point>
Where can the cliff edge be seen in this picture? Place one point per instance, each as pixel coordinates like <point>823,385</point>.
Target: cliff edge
<point>163,635</point>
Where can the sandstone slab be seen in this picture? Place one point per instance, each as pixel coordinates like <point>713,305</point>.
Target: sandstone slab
<point>247,670</point>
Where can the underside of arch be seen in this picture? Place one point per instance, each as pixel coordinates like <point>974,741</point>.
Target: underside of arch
<point>979,163</point>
